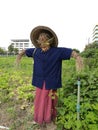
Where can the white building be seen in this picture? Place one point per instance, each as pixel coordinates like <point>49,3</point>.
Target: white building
<point>21,44</point>
<point>95,34</point>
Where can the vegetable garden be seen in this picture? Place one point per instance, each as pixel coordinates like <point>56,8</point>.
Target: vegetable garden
<point>17,95</point>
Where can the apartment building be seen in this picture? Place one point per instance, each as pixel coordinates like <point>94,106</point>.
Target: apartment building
<point>21,44</point>
<point>95,34</point>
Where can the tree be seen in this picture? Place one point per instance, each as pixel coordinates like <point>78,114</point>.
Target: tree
<point>90,51</point>
<point>90,54</point>
<point>16,51</point>
<point>91,45</point>
<point>10,49</point>
<point>2,51</point>
<point>76,50</point>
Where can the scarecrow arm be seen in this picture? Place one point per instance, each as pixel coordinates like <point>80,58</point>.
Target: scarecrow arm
<point>79,61</point>
<point>19,56</point>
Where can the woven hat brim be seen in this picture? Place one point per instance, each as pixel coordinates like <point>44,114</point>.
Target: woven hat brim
<point>43,29</point>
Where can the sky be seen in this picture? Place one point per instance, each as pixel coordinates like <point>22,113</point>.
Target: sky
<point>72,20</point>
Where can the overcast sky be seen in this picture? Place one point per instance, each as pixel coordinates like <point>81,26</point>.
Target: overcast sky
<point>72,20</point>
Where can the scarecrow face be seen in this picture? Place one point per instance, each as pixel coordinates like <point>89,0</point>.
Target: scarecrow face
<point>43,41</point>
<point>43,38</point>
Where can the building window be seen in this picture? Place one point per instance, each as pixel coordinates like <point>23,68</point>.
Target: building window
<point>21,44</point>
<point>26,45</point>
<point>17,44</point>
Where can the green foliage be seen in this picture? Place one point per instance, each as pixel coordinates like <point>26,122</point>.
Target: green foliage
<point>15,82</point>
<point>91,55</point>
<point>91,46</point>
<point>10,48</point>
<point>16,51</point>
<point>67,113</point>
<point>24,92</point>
<point>2,51</point>
<point>16,91</point>
<point>76,50</point>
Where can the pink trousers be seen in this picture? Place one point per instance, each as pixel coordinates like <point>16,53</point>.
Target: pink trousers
<point>45,105</point>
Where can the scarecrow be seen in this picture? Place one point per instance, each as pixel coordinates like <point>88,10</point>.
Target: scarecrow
<point>47,71</point>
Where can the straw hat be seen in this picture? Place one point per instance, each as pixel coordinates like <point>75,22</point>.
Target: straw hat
<point>43,29</point>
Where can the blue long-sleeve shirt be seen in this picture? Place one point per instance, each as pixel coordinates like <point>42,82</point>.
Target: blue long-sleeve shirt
<point>48,66</point>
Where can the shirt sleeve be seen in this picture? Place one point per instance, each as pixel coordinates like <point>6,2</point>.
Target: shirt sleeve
<point>29,52</point>
<point>66,53</point>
